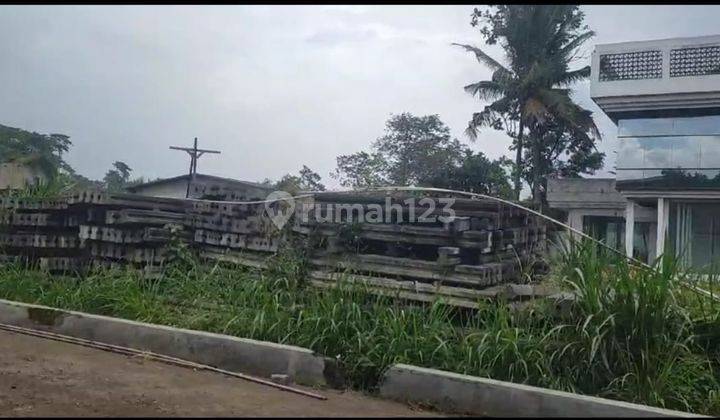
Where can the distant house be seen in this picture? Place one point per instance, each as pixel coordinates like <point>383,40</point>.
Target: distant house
<point>203,186</point>
<point>595,207</point>
<point>14,175</point>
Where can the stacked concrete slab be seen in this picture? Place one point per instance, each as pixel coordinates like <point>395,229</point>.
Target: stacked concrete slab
<point>42,231</point>
<point>466,255</point>
<point>88,228</point>
<point>462,249</point>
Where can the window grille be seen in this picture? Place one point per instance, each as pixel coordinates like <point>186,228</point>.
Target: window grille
<point>631,66</point>
<point>699,61</point>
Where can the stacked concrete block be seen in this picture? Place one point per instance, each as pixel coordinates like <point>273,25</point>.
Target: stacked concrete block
<point>40,231</point>
<point>415,248</point>
<point>462,249</point>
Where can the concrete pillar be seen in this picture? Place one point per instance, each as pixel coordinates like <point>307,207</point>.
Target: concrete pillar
<point>652,242</point>
<point>575,221</point>
<point>663,216</point>
<point>629,228</point>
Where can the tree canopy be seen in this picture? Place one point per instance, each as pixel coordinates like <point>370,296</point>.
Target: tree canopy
<point>413,148</point>
<point>44,152</point>
<point>475,173</point>
<point>117,178</point>
<point>305,180</point>
<point>361,170</point>
<point>420,151</point>
<point>40,151</point>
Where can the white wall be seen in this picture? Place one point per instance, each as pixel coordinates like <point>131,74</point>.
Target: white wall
<point>14,175</point>
<point>178,189</point>
<point>169,190</point>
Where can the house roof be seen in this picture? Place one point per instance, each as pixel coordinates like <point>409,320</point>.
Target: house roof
<point>568,193</point>
<point>199,177</point>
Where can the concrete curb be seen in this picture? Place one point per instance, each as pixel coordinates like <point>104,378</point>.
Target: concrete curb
<point>226,352</point>
<point>465,394</point>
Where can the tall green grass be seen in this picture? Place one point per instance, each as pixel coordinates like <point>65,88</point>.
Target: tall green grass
<point>49,189</point>
<point>631,334</point>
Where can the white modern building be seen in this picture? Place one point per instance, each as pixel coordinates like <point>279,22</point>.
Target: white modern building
<point>664,96</point>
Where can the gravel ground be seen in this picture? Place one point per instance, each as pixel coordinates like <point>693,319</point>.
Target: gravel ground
<point>41,377</point>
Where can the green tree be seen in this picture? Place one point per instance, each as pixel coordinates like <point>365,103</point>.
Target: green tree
<point>40,151</point>
<point>540,43</point>
<point>361,170</point>
<point>118,177</point>
<point>565,153</point>
<point>311,180</point>
<point>306,180</point>
<point>80,182</point>
<point>476,173</point>
<point>413,148</point>
<point>420,151</point>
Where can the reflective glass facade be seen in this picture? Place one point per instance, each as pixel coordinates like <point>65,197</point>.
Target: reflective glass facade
<point>673,153</point>
<point>695,229</point>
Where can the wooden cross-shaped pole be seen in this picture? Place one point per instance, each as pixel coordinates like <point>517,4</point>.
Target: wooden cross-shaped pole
<point>195,154</point>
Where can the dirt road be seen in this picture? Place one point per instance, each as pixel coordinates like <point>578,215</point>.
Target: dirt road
<point>40,377</point>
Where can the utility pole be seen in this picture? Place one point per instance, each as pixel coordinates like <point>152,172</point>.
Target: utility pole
<point>195,154</point>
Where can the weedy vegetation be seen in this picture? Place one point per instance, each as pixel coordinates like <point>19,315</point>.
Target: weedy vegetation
<point>632,334</point>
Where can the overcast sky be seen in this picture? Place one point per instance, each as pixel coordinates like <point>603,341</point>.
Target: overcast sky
<point>273,87</point>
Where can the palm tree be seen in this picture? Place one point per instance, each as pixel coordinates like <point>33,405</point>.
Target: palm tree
<point>540,42</point>
<point>503,111</point>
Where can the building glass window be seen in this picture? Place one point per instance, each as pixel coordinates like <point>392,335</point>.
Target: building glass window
<point>639,127</point>
<point>611,231</point>
<point>669,153</point>
<point>695,228</point>
<point>641,241</point>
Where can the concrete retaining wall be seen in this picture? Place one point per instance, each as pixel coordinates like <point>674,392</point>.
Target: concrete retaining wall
<point>486,397</point>
<point>231,353</point>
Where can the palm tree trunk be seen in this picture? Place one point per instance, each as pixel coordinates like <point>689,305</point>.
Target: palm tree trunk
<point>537,158</point>
<point>518,160</point>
